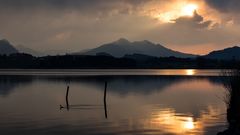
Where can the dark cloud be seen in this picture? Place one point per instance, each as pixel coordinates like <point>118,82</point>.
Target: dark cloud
<point>48,3</point>
<point>225,5</point>
<point>89,6</point>
<point>192,32</point>
<point>196,21</point>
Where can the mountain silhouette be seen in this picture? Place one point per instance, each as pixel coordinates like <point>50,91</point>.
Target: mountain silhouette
<point>6,48</point>
<point>225,54</point>
<point>138,50</point>
<point>124,47</point>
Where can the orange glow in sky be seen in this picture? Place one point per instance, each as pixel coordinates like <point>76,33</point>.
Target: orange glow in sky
<point>177,10</point>
<point>189,9</point>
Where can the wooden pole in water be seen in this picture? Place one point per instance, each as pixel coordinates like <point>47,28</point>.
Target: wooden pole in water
<point>104,99</point>
<point>67,98</point>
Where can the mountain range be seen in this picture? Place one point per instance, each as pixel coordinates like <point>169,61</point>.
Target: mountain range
<point>225,54</point>
<point>23,49</point>
<point>6,48</point>
<point>125,48</point>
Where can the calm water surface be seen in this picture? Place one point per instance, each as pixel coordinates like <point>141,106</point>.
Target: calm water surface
<point>181,102</point>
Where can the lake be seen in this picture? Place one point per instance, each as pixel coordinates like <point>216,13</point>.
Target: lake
<point>162,102</point>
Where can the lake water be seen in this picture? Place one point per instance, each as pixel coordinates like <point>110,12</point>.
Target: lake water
<point>162,102</point>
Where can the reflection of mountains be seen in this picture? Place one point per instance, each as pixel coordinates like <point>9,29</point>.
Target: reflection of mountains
<point>132,84</point>
<point>118,84</point>
<point>9,83</point>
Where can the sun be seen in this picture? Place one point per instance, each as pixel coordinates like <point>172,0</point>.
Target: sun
<point>188,10</point>
<point>180,9</point>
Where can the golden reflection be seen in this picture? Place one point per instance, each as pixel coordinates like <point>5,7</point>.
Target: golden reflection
<point>173,123</point>
<point>189,124</point>
<point>168,121</point>
<point>190,72</point>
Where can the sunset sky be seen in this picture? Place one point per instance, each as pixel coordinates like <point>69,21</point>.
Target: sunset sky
<point>192,26</point>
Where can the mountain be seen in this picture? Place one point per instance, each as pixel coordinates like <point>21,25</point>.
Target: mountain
<point>23,49</point>
<point>6,48</point>
<point>225,54</point>
<point>33,52</point>
<point>124,47</point>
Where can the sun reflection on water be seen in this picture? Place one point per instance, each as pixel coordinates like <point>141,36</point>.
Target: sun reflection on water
<point>174,123</point>
<point>168,121</point>
<point>189,124</point>
<point>190,72</point>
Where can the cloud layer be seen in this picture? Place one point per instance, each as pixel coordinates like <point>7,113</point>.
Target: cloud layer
<point>225,5</point>
<point>80,24</point>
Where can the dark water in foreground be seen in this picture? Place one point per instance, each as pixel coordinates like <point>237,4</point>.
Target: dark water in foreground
<point>142,104</point>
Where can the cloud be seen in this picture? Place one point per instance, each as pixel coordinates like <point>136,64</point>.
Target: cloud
<point>83,6</point>
<point>196,21</point>
<point>192,32</point>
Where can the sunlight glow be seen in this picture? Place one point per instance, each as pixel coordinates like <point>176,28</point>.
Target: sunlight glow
<point>179,123</point>
<point>180,9</point>
<point>190,72</point>
<point>189,124</point>
<point>188,10</point>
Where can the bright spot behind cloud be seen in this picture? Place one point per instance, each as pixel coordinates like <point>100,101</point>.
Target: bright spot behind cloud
<point>179,9</point>
<point>189,9</point>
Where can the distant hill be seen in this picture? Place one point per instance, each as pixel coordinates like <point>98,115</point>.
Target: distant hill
<point>23,49</point>
<point>7,48</point>
<point>225,54</point>
<point>124,47</point>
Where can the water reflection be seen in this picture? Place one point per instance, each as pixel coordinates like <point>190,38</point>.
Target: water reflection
<point>115,72</point>
<point>120,84</point>
<point>161,105</point>
<point>177,123</point>
<point>86,106</point>
<point>133,84</point>
<point>190,71</point>
<point>8,83</point>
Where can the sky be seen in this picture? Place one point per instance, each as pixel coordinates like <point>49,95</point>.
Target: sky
<point>191,26</point>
